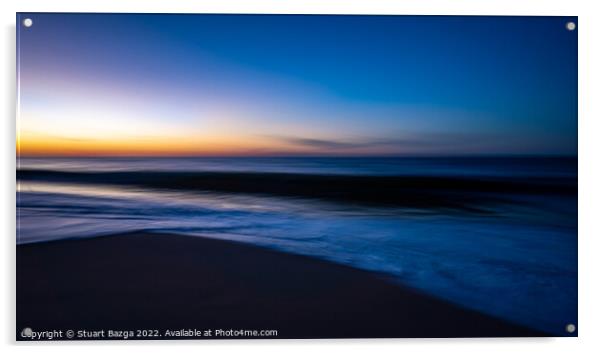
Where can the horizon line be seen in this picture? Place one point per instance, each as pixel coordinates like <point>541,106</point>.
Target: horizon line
<point>550,155</point>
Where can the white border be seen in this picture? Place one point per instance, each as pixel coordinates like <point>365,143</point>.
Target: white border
<point>590,63</point>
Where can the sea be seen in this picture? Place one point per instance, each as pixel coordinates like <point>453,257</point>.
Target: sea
<point>515,259</point>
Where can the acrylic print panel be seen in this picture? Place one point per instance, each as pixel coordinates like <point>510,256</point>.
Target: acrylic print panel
<point>295,176</point>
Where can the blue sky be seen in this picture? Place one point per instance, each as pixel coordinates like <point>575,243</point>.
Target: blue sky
<point>296,85</point>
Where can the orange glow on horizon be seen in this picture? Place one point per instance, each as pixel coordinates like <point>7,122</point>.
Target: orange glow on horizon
<point>156,146</point>
<point>35,145</point>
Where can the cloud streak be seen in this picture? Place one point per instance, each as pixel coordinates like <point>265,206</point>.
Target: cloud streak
<point>455,141</point>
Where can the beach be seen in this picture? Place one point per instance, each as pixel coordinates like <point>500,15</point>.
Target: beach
<point>225,176</point>
<point>493,235</point>
<point>145,281</point>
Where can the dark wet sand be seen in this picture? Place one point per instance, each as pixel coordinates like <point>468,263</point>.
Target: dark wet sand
<point>153,281</point>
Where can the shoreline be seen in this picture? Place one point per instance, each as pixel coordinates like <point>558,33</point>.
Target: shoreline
<point>141,280</point>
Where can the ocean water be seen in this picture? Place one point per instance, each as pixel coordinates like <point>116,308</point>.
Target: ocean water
<point>517,260</point>
<point>419,166</point>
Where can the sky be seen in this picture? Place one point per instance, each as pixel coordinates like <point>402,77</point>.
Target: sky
<point>262,85</point>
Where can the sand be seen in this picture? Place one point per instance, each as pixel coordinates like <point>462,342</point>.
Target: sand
<point>162,282</point>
